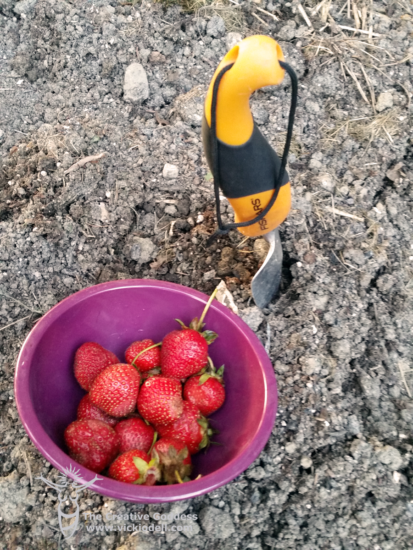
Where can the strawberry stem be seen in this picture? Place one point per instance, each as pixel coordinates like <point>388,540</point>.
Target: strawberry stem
<point>178,477</point>
<point>201,320</point>
<point>155,437</point>
<point>143,351</point>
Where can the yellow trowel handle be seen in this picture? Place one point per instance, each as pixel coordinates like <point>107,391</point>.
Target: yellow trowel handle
<point>244,165</point>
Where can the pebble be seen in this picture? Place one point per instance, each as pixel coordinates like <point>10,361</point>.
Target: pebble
<point>13,498</point>
<point>407,415</point>
<point>232,39</point>
<point>170,171</point>
<point>306,462</point>
<point>315,164</point>
<point>288,32</point>
<point>311,365</point>
<point>390,456</point>
<point>353,425</point>
<point>260,114</point>
<point>135,87</point>
<point>216,27</point>
<point>171,210</point>
<point>341,349</point>
<point>192,110</point>
<point>370,386</point>
<point>209,275</point>
<point>384,101</point>
<point>290,448</point>
<point>104,214</point>
<point>216,523</point>
<point>24,6</point>
<point>142,250</point>
<point>253,316</point>
<point>326,181</point>
<point>261,248</point>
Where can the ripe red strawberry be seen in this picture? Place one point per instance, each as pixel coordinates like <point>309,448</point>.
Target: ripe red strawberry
<point>185,352</point>
<point>134,434</point>
<point>206,391</point>
<point>116,389</point>
<point>87,409</point>
<point>148,359</point>
<point>136,467</point>
<point>160,400</point>
<point>191,428</point>
<point>90,360</point>
<point>174,460</point>
<point>92,443</point>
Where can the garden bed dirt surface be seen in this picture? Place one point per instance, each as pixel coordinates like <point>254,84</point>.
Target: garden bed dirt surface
<point>337,472</point>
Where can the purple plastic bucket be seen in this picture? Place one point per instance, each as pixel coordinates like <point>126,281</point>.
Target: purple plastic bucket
<point>114,315</point>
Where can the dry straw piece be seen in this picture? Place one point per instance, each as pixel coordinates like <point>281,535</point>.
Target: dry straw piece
<point>353,53</point>
<point>228,11</point>
<point>385,125</point>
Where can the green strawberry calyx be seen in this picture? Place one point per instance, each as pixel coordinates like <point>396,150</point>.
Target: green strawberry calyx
<point>172,465</point>
<point>198,324</point>
<point>148,471</point>
<point>144,350</point>
<point>207,433</point>
<point>211,372</point>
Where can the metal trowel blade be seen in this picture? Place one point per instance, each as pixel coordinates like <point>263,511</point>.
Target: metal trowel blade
<point>266,282</point>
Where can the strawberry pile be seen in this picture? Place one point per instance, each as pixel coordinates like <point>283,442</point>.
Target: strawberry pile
<point>143,419</point>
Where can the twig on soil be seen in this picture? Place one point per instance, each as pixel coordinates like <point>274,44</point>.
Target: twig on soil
<point>233,18</point>
<point>317,212</point>
<point>267,13</point>
<point>388,135</point>
<point>340,261</point>
<point>352,267</point>
<point>14,322</point>
<point>260,20</point>
<point>304,15</point>
<point>385,123</point>
<point>371,89</point>
<point>317,8</point>
<point>360,89</point>
<point>242,242</point>
<point>137,215</point>
<point>29,470</point>
<point>268,342</point>
<point>345,28</point>
<point>404,60</point>
<point>21,303</point>
<point>341,213</point>
<point>356,15</point>
<point>82,162</point>
<point>409,393</point>
<point>407,94</point>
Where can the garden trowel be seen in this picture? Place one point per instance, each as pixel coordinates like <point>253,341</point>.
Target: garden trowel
<point>244,166</point>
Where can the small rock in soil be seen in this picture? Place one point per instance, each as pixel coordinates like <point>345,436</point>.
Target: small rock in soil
<point>135,87</point>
